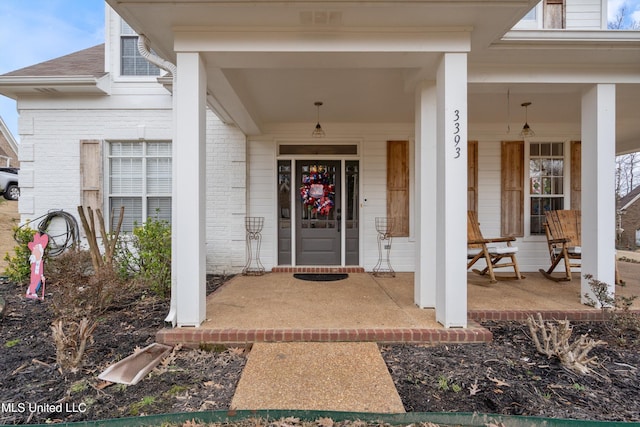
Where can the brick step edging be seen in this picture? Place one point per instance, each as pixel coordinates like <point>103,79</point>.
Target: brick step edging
<point>383,336</point>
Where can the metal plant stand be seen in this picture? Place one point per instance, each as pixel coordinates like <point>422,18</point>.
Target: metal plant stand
<point>383,267</point>
<point>253,225</point>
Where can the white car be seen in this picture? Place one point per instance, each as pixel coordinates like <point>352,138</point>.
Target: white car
<point>9,183</point>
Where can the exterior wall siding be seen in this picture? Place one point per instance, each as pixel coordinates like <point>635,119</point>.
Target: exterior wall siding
<point>261,180</point>
<point>584,14</point>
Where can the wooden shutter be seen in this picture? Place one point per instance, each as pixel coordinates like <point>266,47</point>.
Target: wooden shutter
<point>91,173</point>
<point>398,186</point>
<point>576,175</point>
<point>554,14</point>
<point>472,176</point>
<point>512,180</point>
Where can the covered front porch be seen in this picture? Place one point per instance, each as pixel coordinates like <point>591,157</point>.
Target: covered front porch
<point>277,307</point>
<point>443,74</point>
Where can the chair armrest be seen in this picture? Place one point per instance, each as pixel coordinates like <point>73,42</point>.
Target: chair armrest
<point>562,240</point>
<point>501,239</point>
<point>478,242</point>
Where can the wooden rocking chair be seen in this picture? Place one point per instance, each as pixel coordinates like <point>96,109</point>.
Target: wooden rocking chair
<point>564,238</point>
<point>480,248</point>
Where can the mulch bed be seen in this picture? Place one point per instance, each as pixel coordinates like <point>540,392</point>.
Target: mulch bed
<point>506,376</point>
<point>509,377</point>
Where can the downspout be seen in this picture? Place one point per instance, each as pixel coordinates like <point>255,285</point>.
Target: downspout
<point>143,48</point>
<point>145,51</point>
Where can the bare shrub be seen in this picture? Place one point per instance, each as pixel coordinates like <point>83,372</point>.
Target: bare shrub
<point>71,339</point>
<point>553,340</point>
<point>79,296</point>
<point>621,322</point>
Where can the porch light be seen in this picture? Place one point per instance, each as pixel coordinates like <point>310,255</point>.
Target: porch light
<point>318,132</point>
<point>526,130</point>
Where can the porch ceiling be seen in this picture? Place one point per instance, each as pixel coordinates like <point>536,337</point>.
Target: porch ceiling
<point>256,89</point>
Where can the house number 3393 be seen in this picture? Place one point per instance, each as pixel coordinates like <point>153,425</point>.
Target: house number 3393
<point>456,133</point>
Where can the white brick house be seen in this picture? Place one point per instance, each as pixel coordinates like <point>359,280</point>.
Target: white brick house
<point>421,105</point>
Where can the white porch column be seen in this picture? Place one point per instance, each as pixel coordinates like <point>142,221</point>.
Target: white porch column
<point>189,251</point>
<point>598,183</point>
<point>451,201</point>
<point>424,288</point>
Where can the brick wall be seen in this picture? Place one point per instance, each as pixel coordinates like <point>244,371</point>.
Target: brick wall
<point>226,197</point>
<point>50,150</point>
<point>50,173</point>
<point>7,156</point>
<point>630,223</point>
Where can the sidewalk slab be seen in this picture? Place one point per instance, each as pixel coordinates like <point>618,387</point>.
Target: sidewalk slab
<point>343,376</point>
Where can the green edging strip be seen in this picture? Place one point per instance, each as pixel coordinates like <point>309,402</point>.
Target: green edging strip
<point>441,418</point>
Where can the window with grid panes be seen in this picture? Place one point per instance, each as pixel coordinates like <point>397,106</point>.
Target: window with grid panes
<point>131,62</point>
<point>139,178</point>
<point>546,181</point>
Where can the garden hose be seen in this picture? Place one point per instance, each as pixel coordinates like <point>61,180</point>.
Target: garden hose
<point>60,242</point>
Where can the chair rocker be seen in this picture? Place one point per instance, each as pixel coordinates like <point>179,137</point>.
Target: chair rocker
<point>564,239</point>
<point>480,248</point>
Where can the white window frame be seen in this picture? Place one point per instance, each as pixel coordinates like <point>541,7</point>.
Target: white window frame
<point>126,31</point>
<point>566,184</point>
<point>144,195</point>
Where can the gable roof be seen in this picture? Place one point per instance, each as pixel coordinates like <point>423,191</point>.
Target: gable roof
<point>81,72</point>
<point>87,62</point>
<point>630,198</point>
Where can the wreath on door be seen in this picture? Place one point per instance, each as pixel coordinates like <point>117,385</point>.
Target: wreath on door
<point>317,191</point>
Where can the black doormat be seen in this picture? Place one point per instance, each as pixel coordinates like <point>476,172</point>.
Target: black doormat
<point>321,277</point>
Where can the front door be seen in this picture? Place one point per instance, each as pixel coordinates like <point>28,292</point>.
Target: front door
<point>318,213</point>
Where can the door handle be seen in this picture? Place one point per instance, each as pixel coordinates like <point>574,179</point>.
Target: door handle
<point>339,219</point>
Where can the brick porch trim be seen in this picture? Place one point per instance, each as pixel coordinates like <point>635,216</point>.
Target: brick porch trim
<point>286,269</point>
<point>196,336</point>
<point>521,315</point>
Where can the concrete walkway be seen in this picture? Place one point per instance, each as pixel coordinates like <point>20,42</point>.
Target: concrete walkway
<point>317,376</point>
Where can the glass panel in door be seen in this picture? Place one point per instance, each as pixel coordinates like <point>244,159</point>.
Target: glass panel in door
<point>352,213</point>
<point>318,213</point>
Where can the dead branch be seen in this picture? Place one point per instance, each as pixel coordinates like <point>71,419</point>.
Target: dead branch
<point>109,240</point>
<point>553,340</point>
<point>90,231</point>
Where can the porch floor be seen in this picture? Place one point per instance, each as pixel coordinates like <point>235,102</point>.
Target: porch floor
<point>277,307</point>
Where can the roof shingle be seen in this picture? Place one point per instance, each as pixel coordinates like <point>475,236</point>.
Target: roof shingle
<point>87,62</point>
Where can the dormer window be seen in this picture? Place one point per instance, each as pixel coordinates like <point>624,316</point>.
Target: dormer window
<point>131,62</point>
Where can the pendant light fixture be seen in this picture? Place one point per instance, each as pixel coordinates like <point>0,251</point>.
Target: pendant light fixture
<point>526,129</point>
<point>318,132</point>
